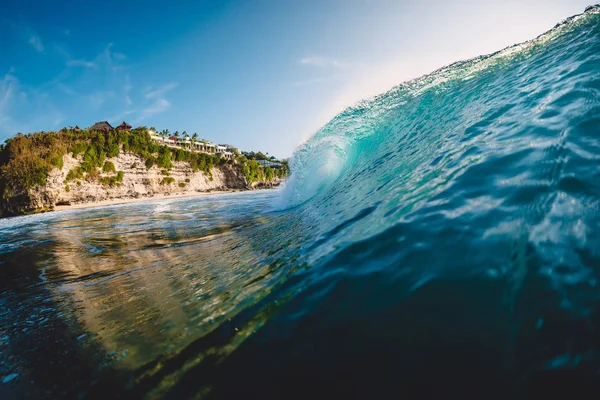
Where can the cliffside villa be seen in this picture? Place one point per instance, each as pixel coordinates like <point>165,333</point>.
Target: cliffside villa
<point>200,146</point>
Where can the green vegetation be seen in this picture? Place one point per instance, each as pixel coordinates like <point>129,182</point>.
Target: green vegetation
<point>108,167</point>
<point>167,181</point>
<point>164,158</point>
<point>26,160</point>
<point>112,181</point>
<point>253,171</point>
<point>269,173</point>
<point>57,160</point>
<point>75,173</point>
<point>181,184</point>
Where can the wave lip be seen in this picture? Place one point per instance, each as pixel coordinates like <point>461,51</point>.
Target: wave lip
<point>342,144</point>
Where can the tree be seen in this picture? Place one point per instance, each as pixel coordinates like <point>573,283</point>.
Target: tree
<point>176,134</point>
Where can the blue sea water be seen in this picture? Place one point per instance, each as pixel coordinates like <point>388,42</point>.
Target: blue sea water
<point>441,240</point>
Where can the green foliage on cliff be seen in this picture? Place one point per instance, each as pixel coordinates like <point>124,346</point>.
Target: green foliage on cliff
<point>252,170</point>
<point>164,159</point>
<point>255,172</point>
<point>269,174</point>
<point>57,160</point>
<point>26,160</point>
<point>112,181</point>
<point>108,167</point>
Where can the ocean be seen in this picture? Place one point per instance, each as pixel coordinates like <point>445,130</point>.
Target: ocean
<point>441,240</point>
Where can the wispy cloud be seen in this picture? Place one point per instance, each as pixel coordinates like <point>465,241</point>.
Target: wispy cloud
<point>97,99</point>
<point>158,106</point>
<point>72,62</point>
<point>81,63</point>
<point>119,56</point>
<point>7,88</point>
<point>103,87</point>
<point>154,93</point>
<point>318,61</point>
<point>88,86</point>
<point>64,88</point>
<point>36,42</point>
<point>12,98</point>
<point>111,59</point>
<point>62,51</point>
<point>58,119</point>
<point>120,116</point>
<point>127,90</point>
<point>156,101</point>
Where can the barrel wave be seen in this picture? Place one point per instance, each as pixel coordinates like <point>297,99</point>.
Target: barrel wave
<point>458,214</point>
<point>439,240</point>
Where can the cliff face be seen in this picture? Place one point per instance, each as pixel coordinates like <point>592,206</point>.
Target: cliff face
<point>138,182</point>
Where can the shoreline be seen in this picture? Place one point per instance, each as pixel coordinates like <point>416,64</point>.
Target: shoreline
<point>131,200</point>
<point>119,201</point>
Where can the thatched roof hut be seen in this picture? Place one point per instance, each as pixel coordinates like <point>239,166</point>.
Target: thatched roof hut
<point>102,126</point>
<point>77,129</point>
<point>124,126</point>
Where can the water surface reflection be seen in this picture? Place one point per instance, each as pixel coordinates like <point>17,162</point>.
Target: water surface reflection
<point>127,287</point>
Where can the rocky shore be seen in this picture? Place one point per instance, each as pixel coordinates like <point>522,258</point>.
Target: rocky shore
<point>138,182</point>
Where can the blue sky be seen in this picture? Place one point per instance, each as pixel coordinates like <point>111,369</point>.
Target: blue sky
<point>262,75</point>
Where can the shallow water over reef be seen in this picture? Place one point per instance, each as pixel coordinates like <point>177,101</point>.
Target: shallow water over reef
<point>440,240</point>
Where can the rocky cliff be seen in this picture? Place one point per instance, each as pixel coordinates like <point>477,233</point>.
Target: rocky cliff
<point>137,182</point>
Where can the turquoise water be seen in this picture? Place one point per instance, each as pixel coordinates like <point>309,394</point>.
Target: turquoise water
<point>439,240</point>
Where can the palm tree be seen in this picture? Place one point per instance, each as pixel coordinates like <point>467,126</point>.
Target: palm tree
<point>194,138</point>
